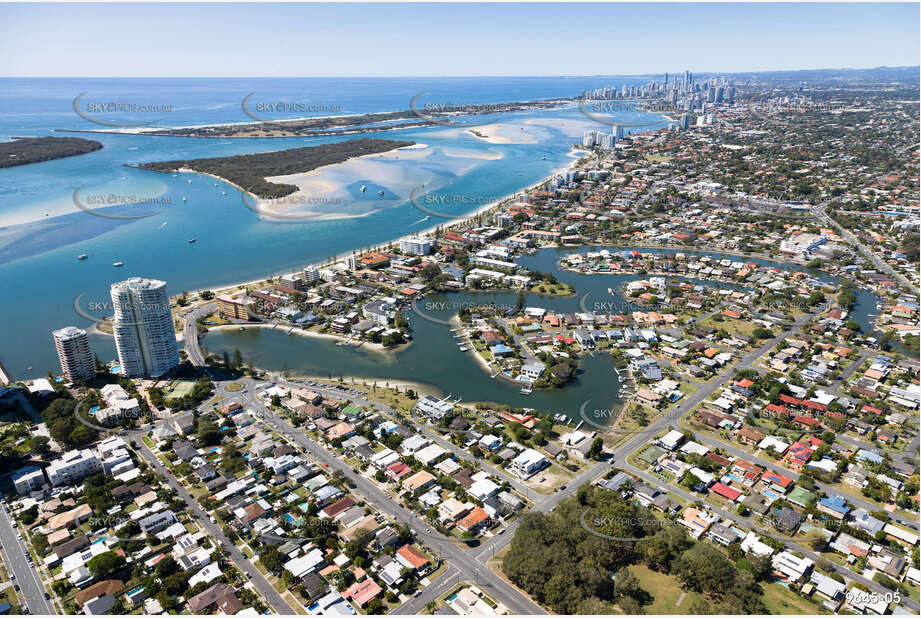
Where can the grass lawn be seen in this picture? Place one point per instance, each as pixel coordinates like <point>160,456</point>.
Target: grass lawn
<point>235,387</point>
<point>731,326</point>
<point>665,591</point>
<point>781,600</point>
<point>179,388</point>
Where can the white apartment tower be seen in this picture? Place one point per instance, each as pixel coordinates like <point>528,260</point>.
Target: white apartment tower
<point>73,348</point>
<point>143,328</point>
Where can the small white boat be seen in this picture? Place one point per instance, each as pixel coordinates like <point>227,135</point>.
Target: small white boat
<point>189,181</point>
<point>118,264</point>
<point>363,188</point>
<point>82,256</point>
<point>223,193</point>
<point>380,192</point>
<point>191,240</point>
<point>184,199</point>
<point>426,218</point>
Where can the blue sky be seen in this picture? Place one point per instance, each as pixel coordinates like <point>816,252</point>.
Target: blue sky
<point>244,40</point>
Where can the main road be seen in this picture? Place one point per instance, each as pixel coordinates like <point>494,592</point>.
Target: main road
<point>450,550</point>
<point>31,593</point>
<point>819,212</point>
<point>253,574</point>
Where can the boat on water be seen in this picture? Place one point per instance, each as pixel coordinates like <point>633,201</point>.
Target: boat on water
<point>118,264</point>
<point>426,218</point>
<point>525,390</point>
<point>189,181</point>
<point>82,256</point>
<point>363,188</point>
<point>191,240</point>
<point>223,193</point>
<point>380,192</point>
<point>241,328</point>
<point>543,158</point>
<point>184,199</point>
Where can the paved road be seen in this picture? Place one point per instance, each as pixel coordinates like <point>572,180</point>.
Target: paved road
<point>448,549</point>
<point>255,576</point>
<point>819,211</point>
<point>32,592</point>
<point>190,332</point>
<point>845,572</point>
<point>464,563</point>
<point>771,465</point>
<point>691,402</point>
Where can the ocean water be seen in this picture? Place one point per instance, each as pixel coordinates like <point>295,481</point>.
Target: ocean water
<point>43,228</point>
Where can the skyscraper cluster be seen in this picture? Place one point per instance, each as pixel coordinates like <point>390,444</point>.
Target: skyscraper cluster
<point>143,329</point>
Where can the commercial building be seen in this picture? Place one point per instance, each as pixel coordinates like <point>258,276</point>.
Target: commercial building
<point>73,466</point>
<point>235,307</point>
<point>528,463</point>
<point>74,353</point>
<point>434,408</point>
<point>416,245</point>
<point>801,244</point>
<point>143,328</point>
<point>27,479</point>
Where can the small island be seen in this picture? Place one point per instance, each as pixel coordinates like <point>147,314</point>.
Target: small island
<point>25,150</point>
<point>351,123</point>
<point>250,171</point>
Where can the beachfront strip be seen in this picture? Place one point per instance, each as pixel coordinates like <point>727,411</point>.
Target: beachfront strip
<point>763,328</point>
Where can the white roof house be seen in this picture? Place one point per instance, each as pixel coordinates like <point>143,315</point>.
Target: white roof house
<point>483,489</point>
<point>774,442</point>
<point>302,565</point>
<point>791,566</point>
<point>751,544</point>
<point>672,439</point>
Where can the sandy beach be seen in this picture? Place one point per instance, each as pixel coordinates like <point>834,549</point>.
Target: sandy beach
<point>322,191</point>
<point>294,330</point>
<point>459,222</point>
<point>502,134</point>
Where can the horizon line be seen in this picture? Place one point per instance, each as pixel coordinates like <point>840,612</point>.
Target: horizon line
<point>504,75</point>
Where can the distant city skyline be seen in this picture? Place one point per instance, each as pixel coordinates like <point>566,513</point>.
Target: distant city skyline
<point>400,40</point>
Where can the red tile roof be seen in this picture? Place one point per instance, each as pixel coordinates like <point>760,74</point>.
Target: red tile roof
<point>725,491</point>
